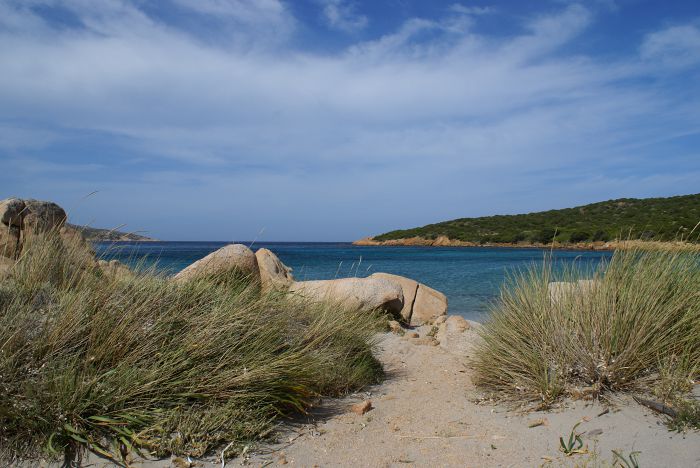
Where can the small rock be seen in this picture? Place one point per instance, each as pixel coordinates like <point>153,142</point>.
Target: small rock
<point>412,335</point>
<point>282,460</point>
<point>456,323</point>
<point>361,408</point>
<point>179,462</point>
<point>395,327</point>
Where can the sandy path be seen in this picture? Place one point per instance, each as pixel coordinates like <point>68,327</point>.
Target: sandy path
<point>424,415</point>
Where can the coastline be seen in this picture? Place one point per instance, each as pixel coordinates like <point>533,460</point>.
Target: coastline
<point>443,241</point>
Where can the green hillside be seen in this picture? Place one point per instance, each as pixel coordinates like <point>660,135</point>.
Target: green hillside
<point>648,219</point>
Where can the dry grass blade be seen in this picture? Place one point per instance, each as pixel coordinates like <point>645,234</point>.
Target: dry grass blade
<point>633,322</point>
<point>115,363</point>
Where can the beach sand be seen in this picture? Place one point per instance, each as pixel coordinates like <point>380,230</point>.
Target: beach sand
<point>428,413</point>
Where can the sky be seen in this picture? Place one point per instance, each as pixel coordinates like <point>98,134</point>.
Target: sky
<point>332,120</point>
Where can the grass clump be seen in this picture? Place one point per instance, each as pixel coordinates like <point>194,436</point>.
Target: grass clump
<point>115,363</point>
<point>687,415</point>
<point>634,324</point>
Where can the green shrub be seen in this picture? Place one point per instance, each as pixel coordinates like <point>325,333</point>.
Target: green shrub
<point>635,325</point>
<point>628,218</point>
<point>544,236</point>
<point>601,236</point>
<point>518,237</point>
<point>106,363</point>
<point>579,236</point>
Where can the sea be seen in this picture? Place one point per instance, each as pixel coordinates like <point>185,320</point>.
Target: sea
<point>470,277</point>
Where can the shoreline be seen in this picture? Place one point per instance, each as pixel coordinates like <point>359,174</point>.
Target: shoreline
<point>446,242</point>
<point>597,246</point>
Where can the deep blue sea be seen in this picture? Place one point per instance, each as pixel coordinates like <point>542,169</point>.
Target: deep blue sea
<point>469,277</point>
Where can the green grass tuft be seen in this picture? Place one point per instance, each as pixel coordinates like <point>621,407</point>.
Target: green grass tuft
<point>119,363</point>
<point>634,327</point>
<point>687,415</point>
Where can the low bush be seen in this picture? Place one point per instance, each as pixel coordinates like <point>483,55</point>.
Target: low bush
<point>636,325</point>
<point>115,363</point>
<point>579,236</point>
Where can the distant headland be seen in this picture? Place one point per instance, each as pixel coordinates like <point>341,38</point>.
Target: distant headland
<point>598,226</point>
<point>97,234</point>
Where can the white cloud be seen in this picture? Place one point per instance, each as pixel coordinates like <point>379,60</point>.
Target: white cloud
<point>430,118</point>
<point>471,10</point>
<point>673,46</point>
<point>259,13</point>
<point>342,15</point>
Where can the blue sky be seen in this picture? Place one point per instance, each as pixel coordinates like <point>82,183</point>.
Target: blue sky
<point>337,119</point>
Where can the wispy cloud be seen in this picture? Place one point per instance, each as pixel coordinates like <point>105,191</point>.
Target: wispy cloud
<point>673,46</point>
<point>471,10</point>
<point>423,123</point>
<point>343,15</point>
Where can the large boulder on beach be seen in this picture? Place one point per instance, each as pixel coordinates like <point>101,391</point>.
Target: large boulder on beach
<point>10,245</point>
<point>233,258</point>
<point>356,293</point>
<point>19,218</point>
<point>43,216</point>
<point>12,211</point>
<point>422,304</point>
<point>409,288</point>
<point>429,305</point>
<point>274,275</point>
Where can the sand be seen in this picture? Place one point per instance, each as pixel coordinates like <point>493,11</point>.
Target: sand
<point>427,413</point>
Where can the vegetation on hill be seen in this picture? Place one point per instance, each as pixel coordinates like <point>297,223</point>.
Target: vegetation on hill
<point>96,234</point>
<point>659,219</point>
<point>120,362</point>
<point>634,327</point>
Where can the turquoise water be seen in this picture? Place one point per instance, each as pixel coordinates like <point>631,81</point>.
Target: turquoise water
<point>469,277</point>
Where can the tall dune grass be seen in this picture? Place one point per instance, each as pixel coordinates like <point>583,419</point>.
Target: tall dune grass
<point>115,363</point>
<point>634,327</point>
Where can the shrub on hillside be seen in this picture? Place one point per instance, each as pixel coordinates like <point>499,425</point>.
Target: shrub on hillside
<point>601,236</point>
<point>544,236</point>
<point>579,236</point>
